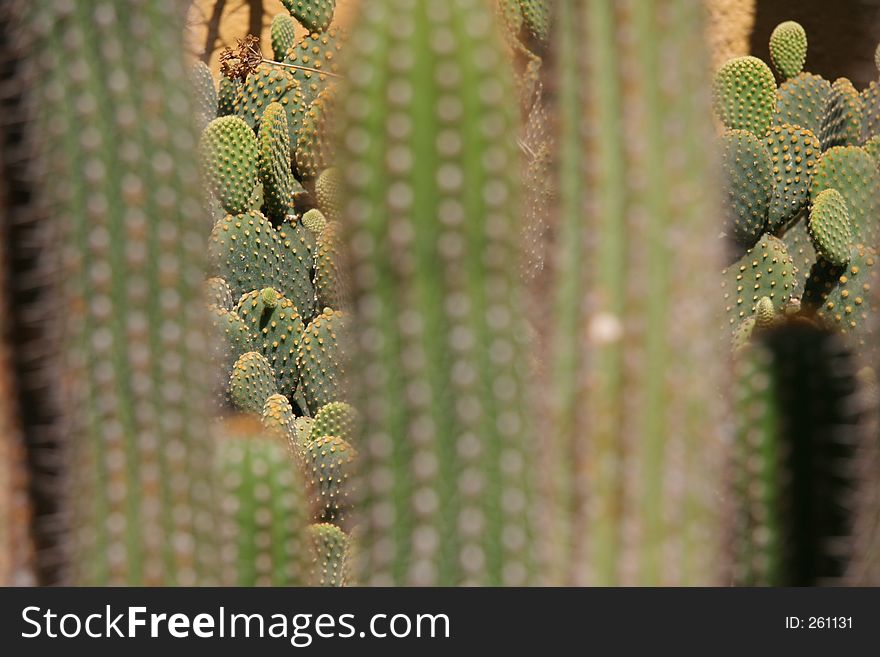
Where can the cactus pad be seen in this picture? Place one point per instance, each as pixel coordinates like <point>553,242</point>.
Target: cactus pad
<point>327,275</point>
<point>252,382</point>
<point>328,464</point>
<point>278,419</point>
<point>228,152</point>
<point>829,227</point>
<point>328,191</point>
<point>227,96</point>
<point>319,359</point>
<point>335,419</point>
<point>204,92</point>
<point>801,101</point>
<point>871,110</point>
<point>276,330</point>
<point>247,252</point>
<point>748,182</point>
<point>314,15</point>
<point>536,15</point>
<point>318,50</point>
<point>314,150</point>
<point>273,162</point>
<point>842,120</point>
<point>283,34</point>
<point>852,172</point>
<point>766,270</point>
<point>330,545</point>
<point>314,221</point>
<point>793,153</point>
<point>218,293</point>
<point>745,95</point>
<point>788,49</point>
<point>272,84</point>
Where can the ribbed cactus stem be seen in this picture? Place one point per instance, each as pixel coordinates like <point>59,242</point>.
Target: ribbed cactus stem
<point>119,169</point>
<point>632,393</point>
<point>430,161</point>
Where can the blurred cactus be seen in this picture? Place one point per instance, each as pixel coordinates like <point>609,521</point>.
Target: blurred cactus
<point>118,171</point>
<point>431,220</point>
<point>634,383</point>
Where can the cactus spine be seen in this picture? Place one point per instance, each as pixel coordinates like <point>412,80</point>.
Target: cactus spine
<point>633,390</point>
<point>432,170</point>
<point>118,168</point>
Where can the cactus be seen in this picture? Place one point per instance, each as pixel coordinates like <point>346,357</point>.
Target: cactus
<point>335,419</point>
<point>247,252</point>
<point>252,382</point>
<point>796,428</point>
<point>793,154</point>
<point>801,101</point>
<point>227,96</point>
<point>314,15</point>
<point>314,151</point>
<point>277,330</point>
<point>842,121</point>
<point>273,162</point>
<point>328,463</point>
<point>331,547</point>
<point>264,519</point>
<point>271,84</point>
<point>748,181</point>
<point>229,162</point>
<point>745,95</point>
<point>536,16</point>
<point>283,35</point>
<point>116,166</point>
<point>314,222</point>
<point>320,359</point>
<point>829,227</point>
<point>766,270</point>
<point>205,93</point>
<point>328,279</point>
<point>852,172</point>
<point>328,192</point>
<point>278,419</point>
<point>318,50</point>
<point>635,462</point>
<point>218,293</point>
<point>788,49</point>
<point>431,170</point>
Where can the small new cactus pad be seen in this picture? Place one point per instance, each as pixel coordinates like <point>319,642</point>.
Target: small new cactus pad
<point>842,121</point>
<point>536,15</point>
<point>871,110</point>
<point>319,359</point>
<point>276,331</point>
<point>330,546</point>
<point>273,162</point>
<point>852,172</point>
<point>247,252</point>
<point>264,513</point>
<point>766,270</point>
<point>314,15</point>
<point>327,275</point>
<point>314,221</point>
<point>328,464</point>
<point>205,93</point>
<point>748,179</point>
<point>314,148</point>
<point>318,50</point>
<point>283,34</point>
<point>845,298</point>
<point>335,419</point>
<point>328,192</point>
<point>793,154</point>
<point>278,419</point>
<point>801,101</point>
<point>227,96</point>
<point>788,49</point>
<point>797,415</point>
<point>218,293</point>
<point>765,313</point>
<point>745,95</point>
<point>251,383</point>
<point>829,227</point>
<point>228,152</point>
<point>272,84</point>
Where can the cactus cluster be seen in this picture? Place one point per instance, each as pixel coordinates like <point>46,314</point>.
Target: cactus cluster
<point>436,301</point>
<point>801,304</point>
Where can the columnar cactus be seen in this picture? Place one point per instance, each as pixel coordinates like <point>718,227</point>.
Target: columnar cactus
<point>633,391</point>
<point>431,169</point>
<point>118,169</point>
